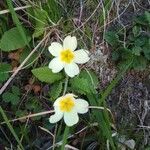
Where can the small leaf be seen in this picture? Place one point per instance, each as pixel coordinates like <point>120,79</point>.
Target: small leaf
<point>136,50</point>
<point>56,90</point>
<point>45,74</point>
<point>12,40</point>
<point>34,105</point>
<point>123,63</point>
<point>10,97</point>
<point>20,113</point>
<point>115,55</point>
<point>15,90</point>
<point>139,63</point>
<point>147,16</point>
<point>136,30</point>
<point>146,49</point>
<point>143,19</point>
<point>112,38</point>
<point>4,74</point>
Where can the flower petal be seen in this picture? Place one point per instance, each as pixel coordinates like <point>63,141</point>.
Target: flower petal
<point>56,65</point>
<point>56,103</point>
<point>56,117</point>
<point>70,43</point>
<point>71,118</point>
<point>71,69</point>
<point>55,48</point>
<point>81,106</point>
<point>81,56</point>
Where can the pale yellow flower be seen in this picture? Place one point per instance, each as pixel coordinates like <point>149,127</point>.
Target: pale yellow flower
<point>69,108</point>
<point>66,57</point>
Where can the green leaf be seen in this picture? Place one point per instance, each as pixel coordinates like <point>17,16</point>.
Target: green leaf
<point>11,128</point>
<point>34,105</point>
<point>54,10</point>
<point>112,38</point>
<point>85,83</point>
<point>15,90</point>
<point>139,63</point>
<point>146,49</point>
<point>11,97</point>
<point>19,26</point>
<point>143,19</point>
<point>136,30</point>
<point>12,40</point>
<point>147,16</point>
<point>136,50</point>
<point>115,55</point>
<point>45,74</point>
<point>56,90</point>
<point>40,21</point>
<point>103,15</point>
<point>80,85</point>
<point>21,113</point>
<point>125,62</point>
<point>140,41</point>
<point>4,68</point>
<point>90,76</point>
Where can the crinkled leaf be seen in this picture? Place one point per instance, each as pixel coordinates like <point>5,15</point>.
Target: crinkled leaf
<point>34,105</point>
<point>15,90</point>
<point>4,71</point>
<point>21,113</point>
<point>80,85</point>
<point>136,50</point>
<point>146,49</point>
<point>11,97</point>
<point>45,74</point>
<point>136,30</point>
<point>112,38</point>
<point>143,19</point>
<point>115,55</point>
<point>140,41</point>
<point>40,21</point>
<point>12,40</point>
<point>56,90</point>
<point>139,63</point>
<point>90,76</point>
<point>147,16</point>
<point>85,83</point>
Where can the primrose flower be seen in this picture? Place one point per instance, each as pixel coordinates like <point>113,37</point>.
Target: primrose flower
<point>69,108</point>
<point>66,57</point>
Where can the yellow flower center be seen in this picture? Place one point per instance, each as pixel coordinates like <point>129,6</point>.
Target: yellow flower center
<point>66,104</point>
<point>67,56</point>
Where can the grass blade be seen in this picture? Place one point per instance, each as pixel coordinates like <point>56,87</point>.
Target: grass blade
<point>17,22</point>
<point>11,128</point>
<point>66,132</point>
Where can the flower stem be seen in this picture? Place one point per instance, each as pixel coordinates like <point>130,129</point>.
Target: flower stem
<point>66,132</point>
<point>65,86</point>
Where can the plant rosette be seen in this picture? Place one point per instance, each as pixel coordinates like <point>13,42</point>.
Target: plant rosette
<point>66,57</point>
